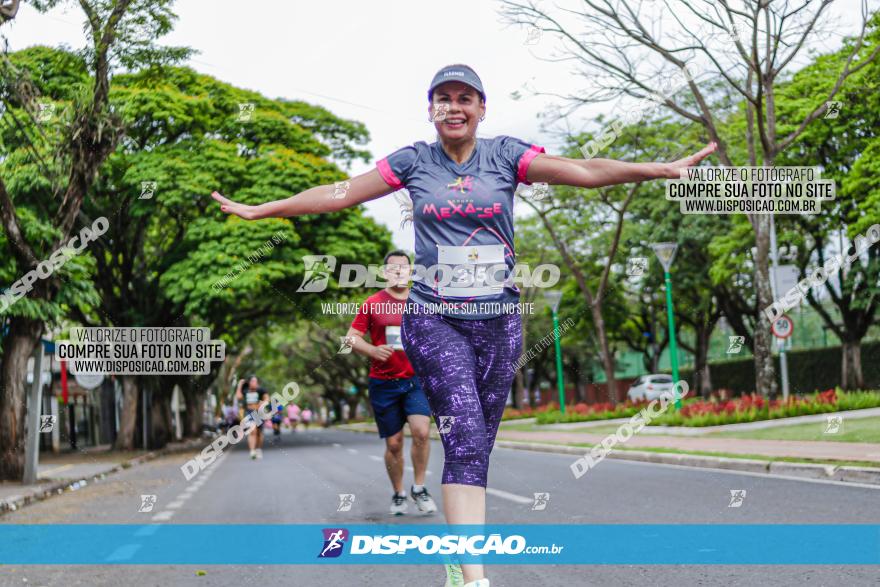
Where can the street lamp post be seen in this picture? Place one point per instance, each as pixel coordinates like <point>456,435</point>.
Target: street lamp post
<point>554,297</point>
<point>665,254</point>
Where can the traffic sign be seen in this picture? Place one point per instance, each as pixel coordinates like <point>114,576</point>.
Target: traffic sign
<point>89,380</point>
<point>782,327</point>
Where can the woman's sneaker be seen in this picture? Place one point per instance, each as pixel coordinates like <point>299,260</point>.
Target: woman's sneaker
<point>253,454</point>
<point>398,504</point>
<point>423,500</point>
<point>478,583</point>
<point>454,576</point>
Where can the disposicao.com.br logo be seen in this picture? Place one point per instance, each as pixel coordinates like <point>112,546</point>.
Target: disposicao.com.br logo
<point>429,544</point>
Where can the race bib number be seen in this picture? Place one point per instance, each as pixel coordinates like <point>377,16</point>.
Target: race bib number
<point>252,397</point>
<point>477,270</point>
<point>392,337</point>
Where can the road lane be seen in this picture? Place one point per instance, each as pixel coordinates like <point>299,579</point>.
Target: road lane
<point>301,476</point>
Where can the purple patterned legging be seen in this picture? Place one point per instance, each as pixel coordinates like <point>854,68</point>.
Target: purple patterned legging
<point>465,370</point>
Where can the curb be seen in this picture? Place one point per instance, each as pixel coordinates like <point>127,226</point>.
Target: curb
<point>58,487</point>
<point>866,475</point>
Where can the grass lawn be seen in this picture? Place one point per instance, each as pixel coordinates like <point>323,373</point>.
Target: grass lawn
<point>520,427</point>
<point>853,430</point>
<point>603,429</point>
<point>586,446</point>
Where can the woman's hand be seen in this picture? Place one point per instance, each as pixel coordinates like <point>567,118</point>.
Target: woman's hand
<point>230,207</point>
<point>673,170</point>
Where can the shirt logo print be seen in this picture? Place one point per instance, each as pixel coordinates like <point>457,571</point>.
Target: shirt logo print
<point>463,184</point>
<point>453,208</point>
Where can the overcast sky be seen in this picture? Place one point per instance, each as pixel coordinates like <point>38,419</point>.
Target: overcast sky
<point>367,61</point>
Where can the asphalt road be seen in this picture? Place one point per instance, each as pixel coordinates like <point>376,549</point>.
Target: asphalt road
<point>301,476</point>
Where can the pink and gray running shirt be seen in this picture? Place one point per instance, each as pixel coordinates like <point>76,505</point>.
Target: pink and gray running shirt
<point>463,219</point>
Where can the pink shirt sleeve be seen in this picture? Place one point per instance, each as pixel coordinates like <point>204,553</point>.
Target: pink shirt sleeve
<point>525,161</point>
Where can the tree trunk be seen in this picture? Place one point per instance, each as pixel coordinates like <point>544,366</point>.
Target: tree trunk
<point>337,408</point>
<point>851,366</point>
<point>128,419</point>
<point>160,415</point>
<point>19,344</point>
<point>519,398</point>
<point>574,376</point>
<point>765,373</point>
<point>701,362</point>
<point>194,399</point>
<point>607,359</point>
<point>352,402</point>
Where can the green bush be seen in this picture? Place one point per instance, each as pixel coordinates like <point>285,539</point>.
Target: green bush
<point>808,370</point>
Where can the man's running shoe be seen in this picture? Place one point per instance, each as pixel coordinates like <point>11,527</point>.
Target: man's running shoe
<point>423,500</point>
<point>478,583</point>
<point>253,454</point>
<point>454,576</point>
<point>259,453</point>
<point>398,504</point>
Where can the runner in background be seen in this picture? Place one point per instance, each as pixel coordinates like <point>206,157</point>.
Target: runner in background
<point>306,416</point>
<point>293,412</point>
<point>395,393</point>
<point>252,396</point>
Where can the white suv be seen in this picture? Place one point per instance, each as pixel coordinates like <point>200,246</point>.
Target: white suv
<point>649,387</point>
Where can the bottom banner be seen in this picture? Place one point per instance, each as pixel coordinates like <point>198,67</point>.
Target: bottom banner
<point>531,544</point>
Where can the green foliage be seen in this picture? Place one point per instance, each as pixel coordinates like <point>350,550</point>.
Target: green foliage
<point>808,369</point>
<point>191,260</point>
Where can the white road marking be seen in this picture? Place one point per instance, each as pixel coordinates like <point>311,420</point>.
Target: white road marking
<point>510,496</point>
<point>353,451</point>
<point>714,470</point>
<point>174,505</point>
<point>375,458</point>
<point>753,474</point>
<point>163,516</point>
<point>147,530</point>
<point>124,552</point>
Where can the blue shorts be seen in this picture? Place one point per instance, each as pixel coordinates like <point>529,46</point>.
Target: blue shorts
<point>395,399</point>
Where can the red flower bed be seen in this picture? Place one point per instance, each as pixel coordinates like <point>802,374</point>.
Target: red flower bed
<point>753,401</point>
<point>527,411</point>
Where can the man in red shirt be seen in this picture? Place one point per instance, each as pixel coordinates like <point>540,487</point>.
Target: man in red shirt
<point>395,392</point>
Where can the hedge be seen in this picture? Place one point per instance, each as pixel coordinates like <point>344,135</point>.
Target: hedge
<point>808,370</point>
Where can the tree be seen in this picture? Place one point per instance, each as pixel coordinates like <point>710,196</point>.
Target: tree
<point>120,35</point>
<point>847,149</point>
<point>172,259</point>
<point>748,47</point>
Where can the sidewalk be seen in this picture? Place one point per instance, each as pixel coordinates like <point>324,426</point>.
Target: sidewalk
<point>703,430</point>
<point>70,470</point>
<point>758,456</point>
<point>808,450</point>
